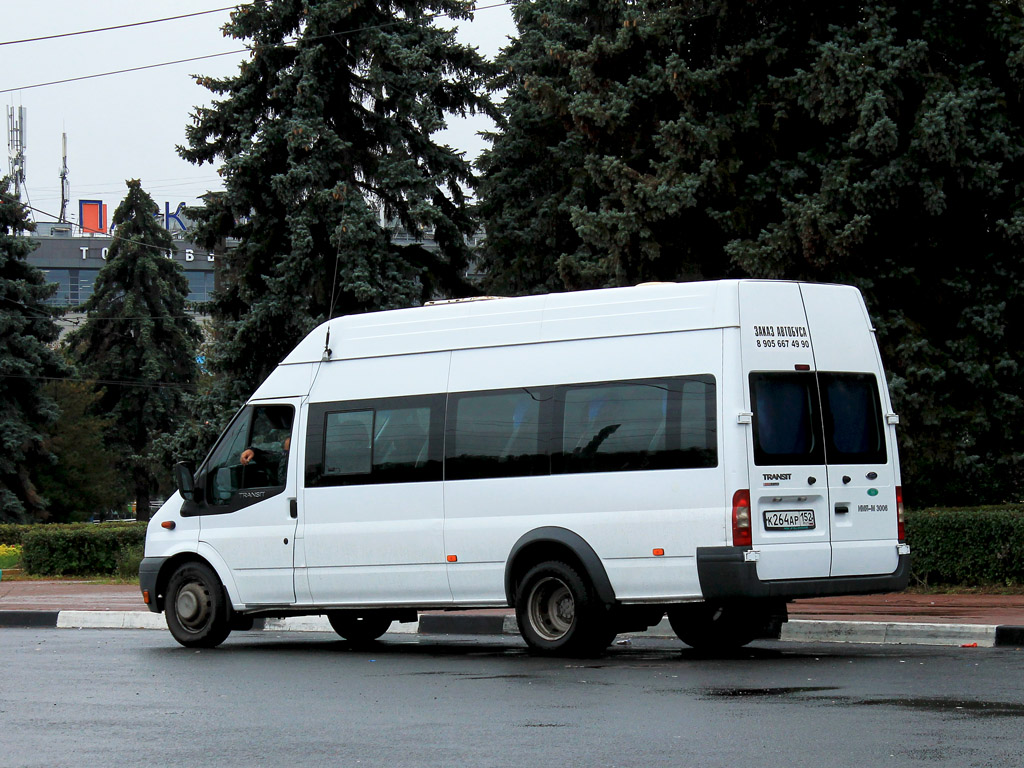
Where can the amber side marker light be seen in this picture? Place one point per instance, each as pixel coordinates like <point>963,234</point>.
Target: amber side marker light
<point>168,524</point>
<point>659,552</point>
<point>453,558</point>
<point>145,596</point>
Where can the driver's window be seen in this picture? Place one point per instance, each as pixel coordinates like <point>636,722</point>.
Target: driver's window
<point>252,454</point>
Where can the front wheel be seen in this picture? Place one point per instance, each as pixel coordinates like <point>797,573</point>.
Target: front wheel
<point>559,614</point>
<point>359,627</point>
<point>197,610</point>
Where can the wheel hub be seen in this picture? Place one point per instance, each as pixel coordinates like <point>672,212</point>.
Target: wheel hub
<point>552,608</point>
<point>192,606</point>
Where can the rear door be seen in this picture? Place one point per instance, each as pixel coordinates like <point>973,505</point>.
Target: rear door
<point>789,499</point>
<point>859,445</point>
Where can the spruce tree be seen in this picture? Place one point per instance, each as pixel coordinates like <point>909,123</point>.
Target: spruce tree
<point>83,481</point>
<point>27,359</point>
<point>898,169</point>
<point>624,125</point>
<point>138,343</point>
<point>879,144</point>
<point>325,135</point>
<point>532,175</point>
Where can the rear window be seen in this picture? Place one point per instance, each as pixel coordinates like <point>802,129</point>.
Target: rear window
<point>794,424</point>
<point>853,418</point>
<point>787,426</point>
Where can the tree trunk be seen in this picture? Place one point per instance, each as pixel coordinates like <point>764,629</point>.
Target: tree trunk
<point>142,501</point>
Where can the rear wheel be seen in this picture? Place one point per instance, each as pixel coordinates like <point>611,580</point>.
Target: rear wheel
<point>559,614</point>
<point>712,627</point>
<point>197,609</point>
<point>359,627</point>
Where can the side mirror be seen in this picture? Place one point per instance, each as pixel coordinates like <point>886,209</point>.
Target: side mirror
<point>184,480</point>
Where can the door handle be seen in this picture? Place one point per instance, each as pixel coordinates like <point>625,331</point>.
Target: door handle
<point>842,509</point>
<point>293,507</point>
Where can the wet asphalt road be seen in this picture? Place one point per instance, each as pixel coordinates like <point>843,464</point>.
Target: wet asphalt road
<point>126,698</point>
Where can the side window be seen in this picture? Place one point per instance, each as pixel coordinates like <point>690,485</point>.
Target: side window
<point>853,418</point>
<point>612,427</point>
<point>698,422</point>
<point>398,440</point>
<point>401,443</point>
<point>495,434</point>
<point>347,443</point>
<point>649,424</point>
<point>252,453</point>
<point>787,427</point>
<point>224,468</point>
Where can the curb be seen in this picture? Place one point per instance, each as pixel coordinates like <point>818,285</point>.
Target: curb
<point>28,618</point>
<point>808,631</point>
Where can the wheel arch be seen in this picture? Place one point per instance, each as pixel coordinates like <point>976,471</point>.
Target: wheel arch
<point>181,558</point>
<point>553,543</point>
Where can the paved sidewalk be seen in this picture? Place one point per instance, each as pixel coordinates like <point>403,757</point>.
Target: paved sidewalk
<point>66,595</point>
<point>925,609</point>
<point>957,619</point>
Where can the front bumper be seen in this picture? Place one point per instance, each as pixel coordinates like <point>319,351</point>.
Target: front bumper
<point>725,575</point>
<point>149,572</point>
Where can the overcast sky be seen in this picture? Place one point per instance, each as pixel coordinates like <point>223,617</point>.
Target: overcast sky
<point>126,126</point>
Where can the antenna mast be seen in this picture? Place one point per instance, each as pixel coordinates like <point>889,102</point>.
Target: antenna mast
<point>65,188</point>
<point>16,146</point>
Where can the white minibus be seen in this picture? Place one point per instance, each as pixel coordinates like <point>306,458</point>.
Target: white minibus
<point>595,460</point>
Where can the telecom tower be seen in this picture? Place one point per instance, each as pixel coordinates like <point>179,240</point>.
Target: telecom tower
<point>65,188</point>
<point>16,146</point>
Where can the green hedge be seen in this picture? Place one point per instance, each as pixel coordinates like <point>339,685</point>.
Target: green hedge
<point>978,546</point>
<point>83,549</point>
<point>974,547</point>
<point>10,533</point>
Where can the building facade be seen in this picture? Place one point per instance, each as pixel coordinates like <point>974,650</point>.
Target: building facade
<point>73,261</point>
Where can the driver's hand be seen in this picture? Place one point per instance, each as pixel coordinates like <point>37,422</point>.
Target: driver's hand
<point>248,455</point>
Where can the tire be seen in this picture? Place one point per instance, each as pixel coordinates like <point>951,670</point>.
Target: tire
<point>709,627</point>
<point>197,608</point>
<point>359,627</point>
<point>559,613</point>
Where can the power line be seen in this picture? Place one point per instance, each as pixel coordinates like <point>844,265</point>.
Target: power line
<point>43,314</point>
<point>233,53</point>
<point>151,183</point>
<point>102,382</point>
<point>111,235</point>
<point>119,26</point>
<point>121,71</point>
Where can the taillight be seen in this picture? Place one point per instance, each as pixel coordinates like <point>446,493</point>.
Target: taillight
<point>901,531</point>
<point>741,536</point>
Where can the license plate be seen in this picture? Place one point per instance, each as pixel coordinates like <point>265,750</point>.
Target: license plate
<point>789,520</point>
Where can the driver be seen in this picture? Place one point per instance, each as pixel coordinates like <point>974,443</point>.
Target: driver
<point>271,460</point>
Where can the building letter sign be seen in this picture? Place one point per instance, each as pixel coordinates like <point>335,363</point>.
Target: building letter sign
<point>168,216</point>
<point>92,216</point>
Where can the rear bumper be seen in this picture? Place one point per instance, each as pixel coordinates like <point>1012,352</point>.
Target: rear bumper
<point>725,575</point>
<point>149,570</point>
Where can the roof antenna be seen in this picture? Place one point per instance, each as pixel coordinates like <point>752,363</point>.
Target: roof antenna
<point>327,345</point>
<point>330,315</point>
